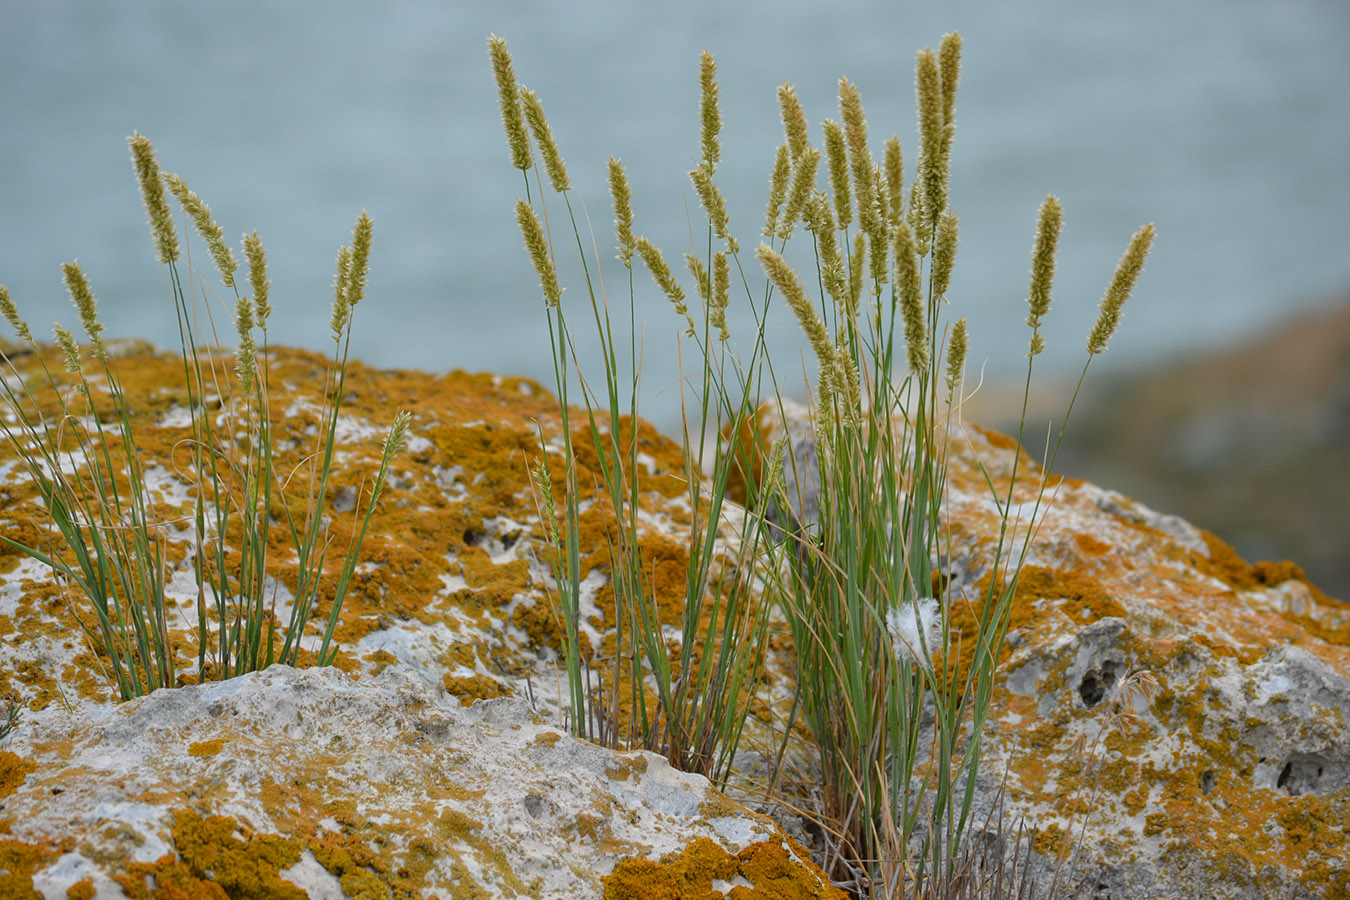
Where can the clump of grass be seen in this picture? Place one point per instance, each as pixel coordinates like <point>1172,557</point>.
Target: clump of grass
<point>13,713</point>
<point>85,460</point>
<point>858,508</point>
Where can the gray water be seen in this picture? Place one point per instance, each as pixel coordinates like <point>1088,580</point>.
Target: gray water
<point>1226,122</point>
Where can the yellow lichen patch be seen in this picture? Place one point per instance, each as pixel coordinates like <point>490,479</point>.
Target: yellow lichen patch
<point>474,687</point>
<point>775,870</point>
<point>81,890</point>
<point>206,748</point>
<point>212,862</point>
<point>13,770</point>
<point>547,738</point>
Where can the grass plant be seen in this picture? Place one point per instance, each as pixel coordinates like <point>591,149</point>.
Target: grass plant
<point>74,437</point>
<point>848,527</point>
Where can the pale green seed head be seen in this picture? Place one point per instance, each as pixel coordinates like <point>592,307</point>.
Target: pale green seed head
<point>949,66</point>
<point>778,187</point>
<point>245,358</point>
<point>821,222</point>
<point>944,254</point>
<point>340,314</point>
<point>836,155</point>
<point>656,264</point>
<point>956,357</point>
<point>152,195</point>
<point>803,183</point>
<point>622,196</point>
<point>714,205</point>
<point>709,114</point>
<point>359,269</point>
<point>537,247</point>
<point>790,286</point>
<point>397,438</point>
<point>257,278</point>
<point>855,272</point>
<point>11,314</point>
<point>933,138</point>
<point>893,164</point>
<point>207,227</point>
<point>517,139</point>
<point>910,289</point>
<point>69,349</point>
<point>78,287</point>
<point>1048,226</point>
<point>795,128</point>
<point>700,274</point>
<point>1122,285</point>
<point>721,293</point>
<point>859,155</point>
<point>543,136</point>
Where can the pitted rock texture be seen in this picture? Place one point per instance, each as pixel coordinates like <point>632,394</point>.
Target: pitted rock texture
<point>305,782</point>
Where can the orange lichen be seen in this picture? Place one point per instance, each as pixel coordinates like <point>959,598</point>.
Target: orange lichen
<point>206,748</point>
<point>775,870</point>
<point>13,770</point>
<point>81,890</point>
<point>18,862</point>
<point>212,862</point>
<point>473,687</point>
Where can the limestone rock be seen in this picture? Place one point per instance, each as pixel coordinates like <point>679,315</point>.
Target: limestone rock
<point>295,783</point>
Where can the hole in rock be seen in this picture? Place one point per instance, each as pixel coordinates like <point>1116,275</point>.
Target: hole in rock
<point>1096,682</point>
<point>471,537</point>
<point>1284,775</point>
<point>1207,781</point>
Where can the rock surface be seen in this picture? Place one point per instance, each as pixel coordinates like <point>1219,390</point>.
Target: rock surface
<point>1231,783</point>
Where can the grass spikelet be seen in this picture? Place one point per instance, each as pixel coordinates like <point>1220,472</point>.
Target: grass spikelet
<point>359,270</point>
<point>956,357</point>
<point>790,286</point>
<point>257,278</point>
<point>543,136</point>
<point>622,195</point>
<point>537,247</point>
<point>508,95</point>
<point>860,157</point>
<point>341,311</point>
<point>778,185</point>
<point>821,222</point>
<point>949,67</point>
<point>803,182</point>
<point>152,195</point>
<point>944,254</point>
<point>709,114</point>
<point>721,293</point>
<point>207,227</point>
<point>69,349</point>
<point>855,271</point>
<point>918,219</point>
<point>795,128</point>
<point>713,204</point>
<point>1127,272</point>
<point>11,314</point>
<point>1048,226</point>
<point>836,156</point>
<point>78,287</point>
<point>907,283</point>
<point>893,163</point>
<point>245,357</point>
<point>933,143</point>
<point>700,273</point>
<point>656,264</point>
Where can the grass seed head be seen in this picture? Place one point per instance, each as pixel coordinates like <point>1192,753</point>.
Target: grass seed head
<point>543,136</point>
<point>207,227</point>
<point>956,357</point>
<point>934,142</point>
<point>1048,226</point>
<point>795,128</point>
<point>257,278</point>
<point>245,358</point>
<point>341,311</point>
<point>69,349</point>
<point>709,114</point>
<point>537,247</point>
<point>517,139</point>
<point>893,162</point>
<point>911,298</point>
<point>11,314</point>
<point>78,287</point>
<point>721,293</point>
<point>836,155</point>
<point>622,195</point>
<point>944,254</point>
<point>714,204</point>
<point>778,186</point>
<point>656,264</point>
<point>152,195</point>
<point>1127,272</point>
<point>803,183</point>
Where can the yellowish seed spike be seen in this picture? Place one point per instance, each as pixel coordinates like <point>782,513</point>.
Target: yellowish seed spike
<point>537,247</point>
<point>1122,285</point>
<point>1048,226</point>
<point>622,196</point>
<point>543,136</point>
<point>152,195</point>
<point>709,113</point>
<point>207,227</point>
<point>508,95</point>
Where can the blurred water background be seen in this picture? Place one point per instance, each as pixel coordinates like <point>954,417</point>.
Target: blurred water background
<point>1226,122</point>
